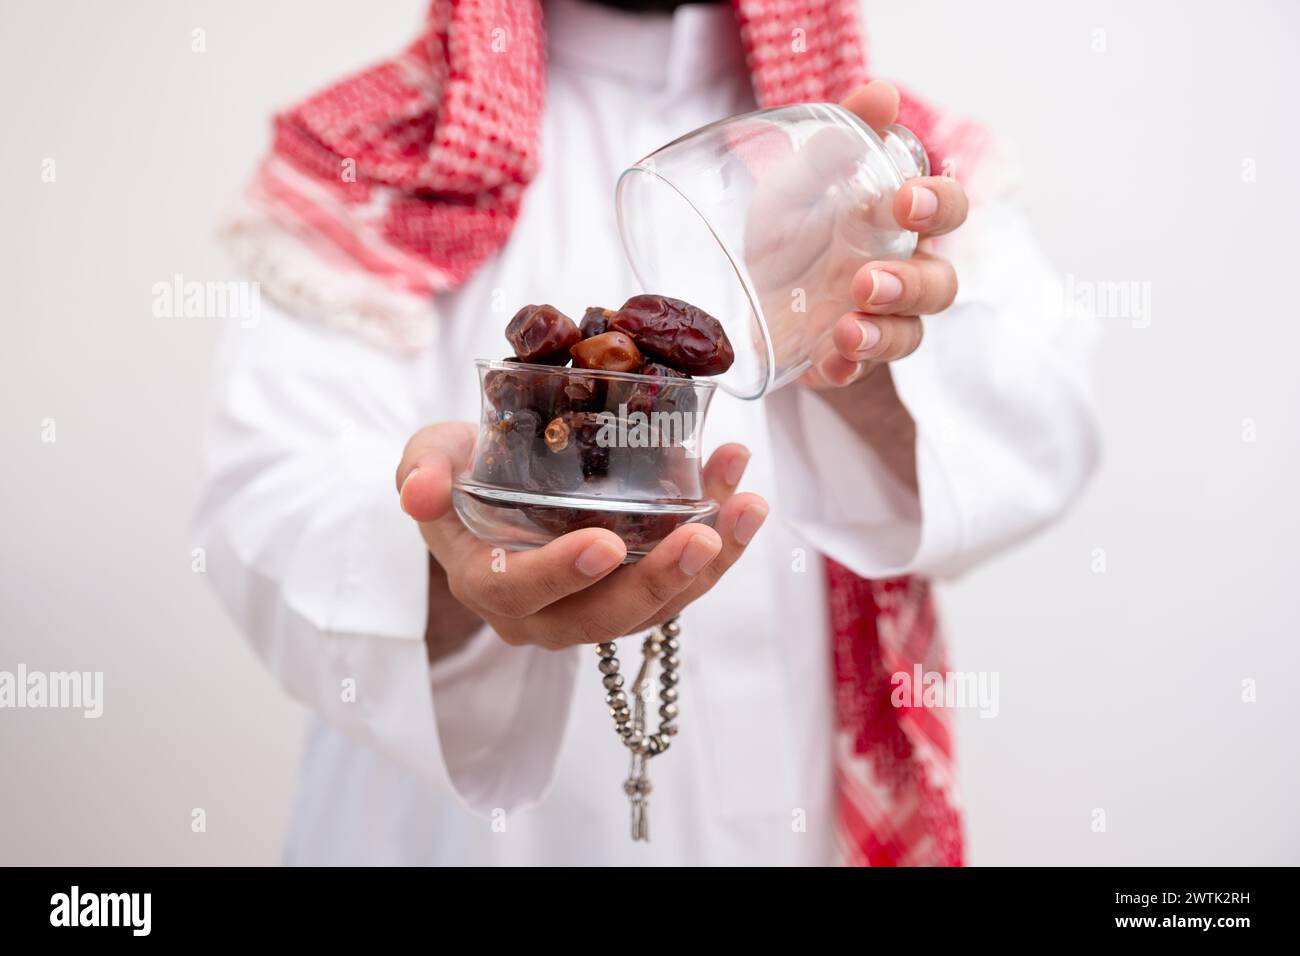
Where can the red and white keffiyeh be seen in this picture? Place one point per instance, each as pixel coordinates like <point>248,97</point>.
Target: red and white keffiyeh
<point>397,183</point>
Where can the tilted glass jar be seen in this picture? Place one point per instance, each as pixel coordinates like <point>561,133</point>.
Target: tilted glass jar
<point>762,220</point>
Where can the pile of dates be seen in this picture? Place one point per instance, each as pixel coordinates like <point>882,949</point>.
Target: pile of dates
<point>547,423</point>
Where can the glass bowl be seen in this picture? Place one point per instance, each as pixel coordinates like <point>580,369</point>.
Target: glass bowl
<point>762,220</point>
<point>560,449</point>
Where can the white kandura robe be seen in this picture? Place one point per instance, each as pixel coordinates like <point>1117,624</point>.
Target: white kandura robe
<point>504,755</point>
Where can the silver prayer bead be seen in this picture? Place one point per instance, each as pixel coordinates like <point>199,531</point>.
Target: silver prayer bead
<point>660,645</point>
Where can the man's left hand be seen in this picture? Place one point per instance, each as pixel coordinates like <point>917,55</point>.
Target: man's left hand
<point>891,296</point>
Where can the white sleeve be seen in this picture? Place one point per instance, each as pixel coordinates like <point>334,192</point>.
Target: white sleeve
<point>327,578</point>
<point>1006,435</point>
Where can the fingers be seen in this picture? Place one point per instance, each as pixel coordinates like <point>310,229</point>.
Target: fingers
<point>876,104</point>
<point>432,457</point>
<point>737,524</point>
<point>567,592</point>
<point>930,205</point>
<point>835,370</point>
<point>860,338</point>
<point>618,605</point>
<point>922,285</point>
<point>723,471</point>
<point>527,581</point>
<point>860,342</point>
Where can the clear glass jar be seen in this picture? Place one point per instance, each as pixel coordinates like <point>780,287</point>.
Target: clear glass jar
<point>761,220</point>
<point>561,449</point>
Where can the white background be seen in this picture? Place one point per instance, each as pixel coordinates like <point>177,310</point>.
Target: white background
<point>1120,691</point>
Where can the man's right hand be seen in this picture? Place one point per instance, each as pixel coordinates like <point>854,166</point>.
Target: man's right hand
<point>574,590</point>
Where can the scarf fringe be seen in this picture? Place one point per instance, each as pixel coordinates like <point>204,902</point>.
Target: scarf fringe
<point>337,294</point>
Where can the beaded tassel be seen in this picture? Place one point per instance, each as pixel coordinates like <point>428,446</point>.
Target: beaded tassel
<point>630,723</point>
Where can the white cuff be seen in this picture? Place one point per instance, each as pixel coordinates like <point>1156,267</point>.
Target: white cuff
<point>501,716</point>
<point>836,491</point>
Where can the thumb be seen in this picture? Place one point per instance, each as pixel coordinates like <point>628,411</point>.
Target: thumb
<point>432,458</point>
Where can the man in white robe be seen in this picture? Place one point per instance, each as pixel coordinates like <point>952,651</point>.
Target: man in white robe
<point>497,753</point>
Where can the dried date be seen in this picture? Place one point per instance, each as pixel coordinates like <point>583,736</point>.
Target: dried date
<point>497,463</point>
<point>542,335</point>
<point>607,352</point>
<point>506,389</point>
<point>517,429</point>
<point>560,521</point>
<point>595,321</point>
<point>557,434</point>
<point>653,396</point>
<point>593,455</point>
<point>676,333</point>
<point>583,393</point>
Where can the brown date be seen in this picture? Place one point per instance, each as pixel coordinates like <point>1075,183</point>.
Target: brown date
<point>557,434</point>
<point>542,390</point>
<point>518,428</point>
<point>563,520</point>
<point>637,530</point>
<point>676,333</point>
<point>582,392</point>
<point>542,334</point>
<point>594,456</point>
<point>507,390</point>
<point>608,352</point>
<point>498,463</point>
<point>595,321</point>
<point>653,396</point>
